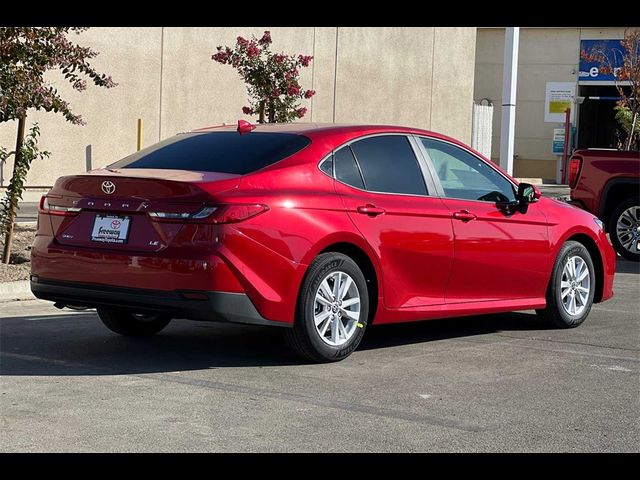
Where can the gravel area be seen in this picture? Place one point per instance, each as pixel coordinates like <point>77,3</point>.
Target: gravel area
<point>20,263</point>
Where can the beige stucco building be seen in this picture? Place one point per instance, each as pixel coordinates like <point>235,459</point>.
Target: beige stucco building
<point>409,76</point>
<point>545,55</point>
<point>425,77</point>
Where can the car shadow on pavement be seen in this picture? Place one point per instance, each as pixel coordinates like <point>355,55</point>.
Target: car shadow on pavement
<point>430,331</point>
<point>78,344</point>
<point>627,266</point>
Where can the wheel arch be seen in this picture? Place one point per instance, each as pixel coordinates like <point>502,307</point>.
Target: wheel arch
<point>356,248</point>
<point>593,250</point>
<point>614,192</point>
<point>368,270</point>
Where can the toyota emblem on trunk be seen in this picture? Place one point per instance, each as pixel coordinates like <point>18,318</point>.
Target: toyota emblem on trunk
<point>108,187</point>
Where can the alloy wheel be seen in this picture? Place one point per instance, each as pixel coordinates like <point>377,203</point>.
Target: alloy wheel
<point>336,308</point>
<point>575,285</point>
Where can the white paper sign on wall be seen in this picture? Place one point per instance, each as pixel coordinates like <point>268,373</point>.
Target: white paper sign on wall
<point>559,96</point>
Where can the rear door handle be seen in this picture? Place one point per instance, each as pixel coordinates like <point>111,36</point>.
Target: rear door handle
<point>370,210</point>
<point>464,215</point>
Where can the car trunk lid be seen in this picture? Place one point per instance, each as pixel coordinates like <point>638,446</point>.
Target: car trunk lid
<point>115,206</point>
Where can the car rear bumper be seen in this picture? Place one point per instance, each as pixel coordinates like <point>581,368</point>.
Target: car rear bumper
<point>190,304</point>
<point>232,263</point>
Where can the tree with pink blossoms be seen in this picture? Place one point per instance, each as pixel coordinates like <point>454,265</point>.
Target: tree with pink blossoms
<point>26,55</point>
<point>272,79</point>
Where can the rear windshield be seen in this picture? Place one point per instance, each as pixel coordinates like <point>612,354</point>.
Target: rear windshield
<point>225,152</point>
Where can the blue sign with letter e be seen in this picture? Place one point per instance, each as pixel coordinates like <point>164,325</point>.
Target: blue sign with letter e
<point>589,71</point>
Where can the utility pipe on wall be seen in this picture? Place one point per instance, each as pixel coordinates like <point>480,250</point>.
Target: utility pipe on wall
<point>139,139</point>
<point>509,84</point>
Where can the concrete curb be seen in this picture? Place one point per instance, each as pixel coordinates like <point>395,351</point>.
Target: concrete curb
<point>20,290</point>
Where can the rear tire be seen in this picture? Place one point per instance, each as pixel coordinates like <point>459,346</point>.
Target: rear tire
<point>627,217</point>
<point>329,327</point>
<point>570,292</point>
<point>131,324</point>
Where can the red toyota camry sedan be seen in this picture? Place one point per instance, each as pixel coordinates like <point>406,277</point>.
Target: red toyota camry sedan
<point>322,230</point>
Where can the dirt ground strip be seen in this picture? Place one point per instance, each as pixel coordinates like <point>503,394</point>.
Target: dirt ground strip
<point>20,264</point>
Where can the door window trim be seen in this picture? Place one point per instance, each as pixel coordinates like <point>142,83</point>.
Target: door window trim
<point>439,188</point>
<point>423,165</point>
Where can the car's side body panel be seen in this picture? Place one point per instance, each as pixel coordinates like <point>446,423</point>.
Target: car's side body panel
<point>413,241</point>
<point>498,256</point>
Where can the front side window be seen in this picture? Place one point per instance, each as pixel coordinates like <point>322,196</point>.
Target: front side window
<point>389,165</point>
<point>465,176</point>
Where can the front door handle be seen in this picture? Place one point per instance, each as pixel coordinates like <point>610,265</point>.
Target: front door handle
<point>370,210</point>
<point>464,215</point>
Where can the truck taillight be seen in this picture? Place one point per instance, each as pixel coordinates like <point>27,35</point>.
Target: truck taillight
<point>47,208</point>
<point>230,213</point>
<point>575,164</point>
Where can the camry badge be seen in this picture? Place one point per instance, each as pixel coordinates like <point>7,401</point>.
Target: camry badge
<point>108,187</point>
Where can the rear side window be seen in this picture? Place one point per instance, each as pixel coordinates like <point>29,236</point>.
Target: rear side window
<point>346,168</point>
<point>225,152</point>
<point>389,165</point>
<point>327,166</point>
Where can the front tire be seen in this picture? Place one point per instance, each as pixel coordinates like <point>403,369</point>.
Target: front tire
<point>332,310</point>
<point>571,287</point>
<point>624,229</point>
<point>132,324</point>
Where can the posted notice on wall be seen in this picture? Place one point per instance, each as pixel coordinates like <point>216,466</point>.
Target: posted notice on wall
<point>557,147</point>
<point>559,96</point>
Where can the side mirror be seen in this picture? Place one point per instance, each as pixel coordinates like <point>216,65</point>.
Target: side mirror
<point>527,194</point>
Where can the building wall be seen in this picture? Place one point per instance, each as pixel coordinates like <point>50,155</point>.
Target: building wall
<point>545,55</point>
<point>409,76</point>
<point>132,57</point>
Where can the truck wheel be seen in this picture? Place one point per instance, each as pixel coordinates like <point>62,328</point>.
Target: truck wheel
<point>624,229</point>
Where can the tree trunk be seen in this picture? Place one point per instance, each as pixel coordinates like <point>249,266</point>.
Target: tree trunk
<point>261,112</point>
<point>272,111</point>
<point>634,118</point>
<point>13,201</point>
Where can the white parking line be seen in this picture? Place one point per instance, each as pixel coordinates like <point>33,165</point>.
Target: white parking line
<point>615,368</point>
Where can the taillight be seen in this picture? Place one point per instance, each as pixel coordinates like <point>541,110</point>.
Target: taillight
<point>231,213</point>
<point>204,213</point>
<point>574,170</point>
<point>48,208</point>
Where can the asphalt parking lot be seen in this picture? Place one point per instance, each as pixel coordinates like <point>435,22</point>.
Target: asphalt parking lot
<point>493,383</point>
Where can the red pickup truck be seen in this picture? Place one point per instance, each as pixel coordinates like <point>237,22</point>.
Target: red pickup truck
<point>607,184</point>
